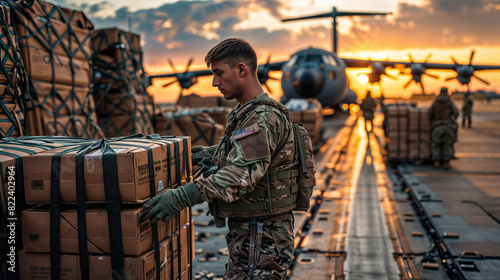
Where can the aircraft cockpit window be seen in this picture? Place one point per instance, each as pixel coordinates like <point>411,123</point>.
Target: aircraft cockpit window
<point>291,62</point>
<point>310,58</point>
<point>329,60</point>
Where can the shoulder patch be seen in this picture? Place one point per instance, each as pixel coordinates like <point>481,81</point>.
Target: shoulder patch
<point>244,132</point>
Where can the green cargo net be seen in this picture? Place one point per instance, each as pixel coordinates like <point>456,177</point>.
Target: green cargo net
<point>13,78</point>
<point>55,46</point>
<point>123,104</point>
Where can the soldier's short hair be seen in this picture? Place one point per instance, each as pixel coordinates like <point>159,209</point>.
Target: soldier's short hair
<point>443,90</point>
<point>233,51</point>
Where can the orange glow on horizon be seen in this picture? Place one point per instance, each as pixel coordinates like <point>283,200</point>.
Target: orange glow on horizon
<point>389,87</point>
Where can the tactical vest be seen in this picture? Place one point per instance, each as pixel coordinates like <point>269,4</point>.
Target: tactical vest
<point>278,191</point>
<point>442,110</point>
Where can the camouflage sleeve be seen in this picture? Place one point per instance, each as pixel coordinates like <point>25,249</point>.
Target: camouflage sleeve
<point>247,160</point>
<point>430,113</point>
<point>202,152</point>
<point>454,111</point>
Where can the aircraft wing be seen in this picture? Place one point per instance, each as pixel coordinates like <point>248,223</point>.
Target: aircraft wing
<point>276,66</point>
<point>198,73</point>
<point>363,63</point>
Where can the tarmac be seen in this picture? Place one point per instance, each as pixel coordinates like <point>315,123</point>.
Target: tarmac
<point>398,220</point>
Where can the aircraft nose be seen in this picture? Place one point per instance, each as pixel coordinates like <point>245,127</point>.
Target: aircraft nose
<point>308,82</point>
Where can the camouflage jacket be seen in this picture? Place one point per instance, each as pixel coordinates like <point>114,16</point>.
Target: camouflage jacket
<point>467,106</point>
<point>443,111</point>
<point>258,140</point>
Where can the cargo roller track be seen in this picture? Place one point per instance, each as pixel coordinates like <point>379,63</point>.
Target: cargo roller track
<point>351,232</point>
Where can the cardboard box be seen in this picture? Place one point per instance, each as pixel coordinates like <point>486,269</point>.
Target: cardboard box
<point>123,125</point>
<point>137,236</point>
<point>40,122</point>
<point>123,103</point>
<point>33,36</point>
<point>61,99</point>
<point>397,111</point>
<point>202,129</point>
<point>132,165</point>
<point>11,122</point>
<point>37,265</point>
<point>33,30</point>
<point>113,38</point>
<point>197,101</point>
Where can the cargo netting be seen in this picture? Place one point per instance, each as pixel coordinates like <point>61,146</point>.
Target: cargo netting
<point>13,78</point>
<point>55,47</point>
<point>123,104</point>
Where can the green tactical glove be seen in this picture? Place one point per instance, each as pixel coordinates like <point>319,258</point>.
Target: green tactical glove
<point>171,202</point>
<point>196,149</point>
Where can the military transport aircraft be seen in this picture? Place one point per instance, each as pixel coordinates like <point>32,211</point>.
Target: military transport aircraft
<point>320,74</point>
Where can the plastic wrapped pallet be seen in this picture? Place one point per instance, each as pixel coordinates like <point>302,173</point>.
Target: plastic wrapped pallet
<point>123,104</point>
<point>13,78</point>
<point>199,126</point>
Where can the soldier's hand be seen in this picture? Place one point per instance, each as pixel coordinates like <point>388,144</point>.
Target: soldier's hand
<point>171,202</point>
<point>196,149</point>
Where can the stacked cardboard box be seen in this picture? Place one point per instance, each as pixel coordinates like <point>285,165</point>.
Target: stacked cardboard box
<point>311,117</point>
<point>196,101</point>
<point>12,199</point>
<point>55,46</point>
<point>419,133</point>
<point>122,172</point>
<point>202,129</point>
<point>124,106</point>
<point>408,132</point>
<point>13,79</point>
<point>397,131</point>
<point>218,114</point>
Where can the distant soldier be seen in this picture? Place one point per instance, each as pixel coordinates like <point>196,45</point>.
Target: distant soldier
<point>255,181</point>
<point>442,114</point>
<point>467,109</point>
<point>368,106</point>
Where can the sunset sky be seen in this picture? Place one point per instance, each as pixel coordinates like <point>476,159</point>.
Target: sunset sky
<point>183,29</point>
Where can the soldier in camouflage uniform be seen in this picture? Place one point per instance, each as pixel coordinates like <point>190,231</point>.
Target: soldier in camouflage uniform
<point>442,114</point>
<point>253,185</point>
<point>368,106</point>
<point>467,109</point>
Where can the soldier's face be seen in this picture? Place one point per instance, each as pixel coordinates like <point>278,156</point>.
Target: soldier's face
<point>226,79</point>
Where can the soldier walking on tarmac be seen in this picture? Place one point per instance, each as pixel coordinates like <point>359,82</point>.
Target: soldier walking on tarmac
<point>442,114</point>
<point>368,106</point>
<point>467,109</point>
<point>255,180</point>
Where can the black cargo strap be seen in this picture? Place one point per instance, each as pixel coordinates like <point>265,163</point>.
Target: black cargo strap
<point>152,188</point>
<point>55,210</point>
<point>254,245</point>
<point>301,148</point>
<point>258,205</point>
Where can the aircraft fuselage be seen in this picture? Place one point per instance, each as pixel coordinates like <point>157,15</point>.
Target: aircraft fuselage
<point>315,73</point>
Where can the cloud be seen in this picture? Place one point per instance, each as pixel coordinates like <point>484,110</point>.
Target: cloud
<point>190,28</point>
<point>437,24</point>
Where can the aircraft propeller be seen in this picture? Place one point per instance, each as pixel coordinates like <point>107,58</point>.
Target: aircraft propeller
<point>185,79</point>
<point>377,70</point>
<point>417,70</point>
<point>465,71</point>
<point>263,74</point>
